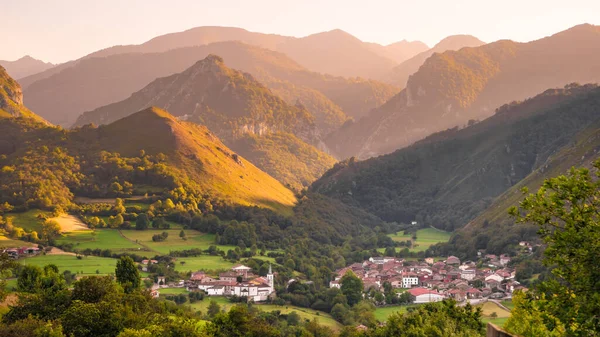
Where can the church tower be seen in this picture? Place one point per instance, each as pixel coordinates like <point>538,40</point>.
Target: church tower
<point>270,278</point>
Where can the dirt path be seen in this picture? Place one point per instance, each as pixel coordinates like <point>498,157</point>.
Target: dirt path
<point>69,223</point>
<point>58,251</point>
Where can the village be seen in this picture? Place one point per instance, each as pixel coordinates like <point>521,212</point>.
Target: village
<point>432,281</point>
<point>240,281</point>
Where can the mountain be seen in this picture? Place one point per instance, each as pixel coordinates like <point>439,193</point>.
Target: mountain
<point>197,154</point>
<point>363,61</point>
<point>399,51</point>
<point>449,178</point>
<point>229,102</point>
<point>96,82</point>
<point>455,87</point>
<point>495,222</point>
<point>45,166</point>
<point>25,66</point>
<point>337,53</point>
<point>11,98</point>
<point>233,105</point>
<point>285,157</point>
<point>399,74</point>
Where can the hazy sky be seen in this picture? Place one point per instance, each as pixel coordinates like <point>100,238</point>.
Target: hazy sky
<point>61,30</point>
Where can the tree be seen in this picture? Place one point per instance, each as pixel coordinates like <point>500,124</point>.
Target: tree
<point>142,222</point>
<point>119,207</point>
<point>182,235</point>
<point>92,289</point>
<point>435,319</point>
<point>50,229</point>
<point>158,223</point>
<point>352,287</point>
<point>213,309</point>
<point>6,264</point>
<point>30,279</point>
<point>128,276</point>
<point>566,210</point>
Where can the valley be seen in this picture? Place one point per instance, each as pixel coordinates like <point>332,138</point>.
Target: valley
<point>217,181</point>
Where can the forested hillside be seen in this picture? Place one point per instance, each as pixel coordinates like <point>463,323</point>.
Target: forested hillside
<point>454,87</point>
<point>233,105</point>
<point>46,167</point>
<point>449,178</point>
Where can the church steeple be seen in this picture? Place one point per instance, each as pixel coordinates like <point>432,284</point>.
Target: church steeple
<point>270,278</point>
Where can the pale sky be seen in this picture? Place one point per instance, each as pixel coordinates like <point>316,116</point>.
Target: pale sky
<point>62,30</point>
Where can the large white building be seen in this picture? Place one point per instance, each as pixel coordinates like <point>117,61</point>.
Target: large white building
<point>423,295</point>
<point>409,280</point>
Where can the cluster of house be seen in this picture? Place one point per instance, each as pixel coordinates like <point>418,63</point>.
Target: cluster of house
<point>16,253</point>
<point>239,281</point>
<point>431,281</point>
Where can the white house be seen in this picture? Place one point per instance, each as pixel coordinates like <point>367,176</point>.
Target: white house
<point>494,277</point>
<point>423,295</point>
<point>409,280</point>
<point>381,260</point>
<point>216,291</point>
<point>468,274</point>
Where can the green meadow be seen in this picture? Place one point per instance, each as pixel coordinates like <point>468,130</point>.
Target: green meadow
<point>194,239</point>
<point>304,313</point>
<point>87,265</point>
<point>30,220</point>
<point>425,238</point>
<point>100,239</point>
<point>382,313</point>
<point>202,262</point>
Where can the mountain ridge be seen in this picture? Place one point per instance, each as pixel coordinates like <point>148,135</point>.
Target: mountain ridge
<point>455,87</point>
<point>450,177</point>
<point>25,66</point>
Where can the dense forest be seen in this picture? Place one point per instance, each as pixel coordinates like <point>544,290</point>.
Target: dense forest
<point>449,178</point>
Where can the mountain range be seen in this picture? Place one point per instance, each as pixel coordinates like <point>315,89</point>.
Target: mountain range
<point>455,87</point>
<point>98,81</point>
<point>234,106</point>
<point>25,66</point>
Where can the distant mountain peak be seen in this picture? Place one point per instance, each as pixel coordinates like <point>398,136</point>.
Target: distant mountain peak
<point>454,42</point>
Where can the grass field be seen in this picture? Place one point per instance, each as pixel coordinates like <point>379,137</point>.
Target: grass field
<point>305,313</point>
<point>508,303</point>
<point>29,220</point>
<point>202,262</point>
<point>490,307</point>
<point>6,242</point>
<point>383,313</point>
<point>102,239</point>
<point>425,238</point>
<point>195,239</point>
<point>172,291</point>
<point>87,265</point>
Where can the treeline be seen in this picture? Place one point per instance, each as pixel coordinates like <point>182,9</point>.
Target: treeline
<point>51,305</point>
